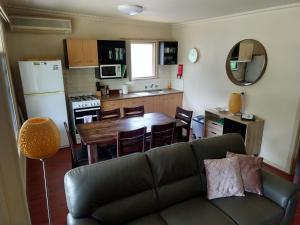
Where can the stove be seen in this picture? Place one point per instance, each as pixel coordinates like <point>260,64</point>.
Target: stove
<point>83,107</point>
<point>83,101</point>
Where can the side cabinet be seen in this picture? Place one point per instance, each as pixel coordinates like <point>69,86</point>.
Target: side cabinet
<point>217,123</point>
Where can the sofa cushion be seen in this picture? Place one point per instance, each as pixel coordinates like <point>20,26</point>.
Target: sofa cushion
<point>216,148</point>
<point>175,173</point>
<point>251,209</point>
<point>194,212</point>
<point>152,219</point>
<point>122,186</point>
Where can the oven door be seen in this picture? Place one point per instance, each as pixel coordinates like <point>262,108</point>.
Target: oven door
<point>88,111</point>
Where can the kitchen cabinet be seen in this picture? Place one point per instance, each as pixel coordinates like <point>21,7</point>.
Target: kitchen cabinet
<point>81,53</point>
<point>168,51</point>
<point>166,103</point>
<point>147,102</point>
<point>111,52</point>
<point>109,105</point>
<point>217,123</point>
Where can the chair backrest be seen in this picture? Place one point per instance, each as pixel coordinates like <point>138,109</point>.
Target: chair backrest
<point>131,141</point>
<point>72,145</point>
<point>133,111</point>
<point>109,114</point>
<point>162,134</point>
<point>184,115</point>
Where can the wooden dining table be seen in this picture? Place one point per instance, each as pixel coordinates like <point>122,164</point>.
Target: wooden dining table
<point>104,132</point>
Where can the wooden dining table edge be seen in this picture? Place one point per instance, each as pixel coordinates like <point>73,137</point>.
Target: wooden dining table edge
<point>92,145</point>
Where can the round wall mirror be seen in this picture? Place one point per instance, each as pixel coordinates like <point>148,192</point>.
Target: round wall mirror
<point>246,62</point>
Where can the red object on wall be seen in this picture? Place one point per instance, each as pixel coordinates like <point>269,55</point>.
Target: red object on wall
<point>180,71</point>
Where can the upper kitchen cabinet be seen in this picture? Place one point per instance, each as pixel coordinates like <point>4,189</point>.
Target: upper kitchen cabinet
<point>111,52</point>
<point>81,53</point>
<point>168,52</point>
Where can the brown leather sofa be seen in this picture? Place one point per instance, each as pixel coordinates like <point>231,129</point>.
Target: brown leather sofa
<point>167,186</point>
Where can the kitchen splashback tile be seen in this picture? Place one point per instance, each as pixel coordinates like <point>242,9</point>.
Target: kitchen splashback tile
<point>83,80</point>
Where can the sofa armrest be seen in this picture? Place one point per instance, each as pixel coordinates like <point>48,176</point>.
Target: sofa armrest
<point>277,189</point>
<point>282,192</point>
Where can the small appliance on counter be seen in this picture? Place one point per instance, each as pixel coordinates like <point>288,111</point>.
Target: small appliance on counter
<point>83,108</point>
<point>99,88</point>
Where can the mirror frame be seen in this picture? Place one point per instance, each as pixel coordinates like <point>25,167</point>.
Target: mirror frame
<point>228,69</point>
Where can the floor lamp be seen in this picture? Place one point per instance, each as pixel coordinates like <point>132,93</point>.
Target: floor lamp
<point>39,138</point>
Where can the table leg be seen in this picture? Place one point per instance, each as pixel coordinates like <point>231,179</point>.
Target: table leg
<point>92,153</point>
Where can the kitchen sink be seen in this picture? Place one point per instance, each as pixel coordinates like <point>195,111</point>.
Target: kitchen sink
<point>155,90</point>
<point>144,93</point>
<point>151,92</point>
<point>161,92</point>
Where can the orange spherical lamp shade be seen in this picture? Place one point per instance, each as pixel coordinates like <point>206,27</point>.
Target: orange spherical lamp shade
<point>39,138</point>
<point>235,103</point>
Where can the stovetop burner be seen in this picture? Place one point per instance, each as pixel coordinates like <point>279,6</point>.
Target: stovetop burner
<point>83,98</point>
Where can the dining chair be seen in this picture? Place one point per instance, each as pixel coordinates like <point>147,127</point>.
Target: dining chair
<point>133,111</point>
<point>183,117</point>
<point>110,150</point>
<point>79,154</point>
<point>109,114</point>
<point>131,141</point>
<point>162,134</point>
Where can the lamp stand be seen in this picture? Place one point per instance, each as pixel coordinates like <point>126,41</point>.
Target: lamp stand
<point>46,190</point>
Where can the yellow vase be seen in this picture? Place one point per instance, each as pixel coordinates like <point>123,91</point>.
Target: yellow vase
<point>235,103</point>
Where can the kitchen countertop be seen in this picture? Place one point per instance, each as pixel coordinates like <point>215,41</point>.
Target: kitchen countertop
<point>140,94</point>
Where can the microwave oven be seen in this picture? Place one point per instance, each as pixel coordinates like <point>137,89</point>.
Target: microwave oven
<point>110,71</point>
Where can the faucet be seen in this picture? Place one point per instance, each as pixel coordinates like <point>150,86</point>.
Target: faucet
<point>152,85</point>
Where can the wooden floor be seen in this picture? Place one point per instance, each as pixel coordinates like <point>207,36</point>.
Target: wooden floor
<point>57,166</point>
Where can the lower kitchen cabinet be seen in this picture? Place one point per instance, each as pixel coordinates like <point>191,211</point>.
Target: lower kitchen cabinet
<point>168,103</point>
<point>160,103</point>
<point>147,102</point>
<point>109,105</point>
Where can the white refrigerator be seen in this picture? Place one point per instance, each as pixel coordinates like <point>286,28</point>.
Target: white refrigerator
<point>44,92</point>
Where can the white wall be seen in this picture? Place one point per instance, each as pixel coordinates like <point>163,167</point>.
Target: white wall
<point>13,204</point>
<point>275,97</point>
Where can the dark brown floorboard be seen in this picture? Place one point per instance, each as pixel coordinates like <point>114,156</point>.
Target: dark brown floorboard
<point>57,166</point>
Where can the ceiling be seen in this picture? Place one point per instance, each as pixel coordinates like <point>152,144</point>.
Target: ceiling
<point>169,11</point>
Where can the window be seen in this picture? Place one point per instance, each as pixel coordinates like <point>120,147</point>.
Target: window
<point>143,60</point>
<point>5,73</point>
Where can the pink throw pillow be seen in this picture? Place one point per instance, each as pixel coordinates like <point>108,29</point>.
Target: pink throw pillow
<point>250,171</point>
<point>223,178</point>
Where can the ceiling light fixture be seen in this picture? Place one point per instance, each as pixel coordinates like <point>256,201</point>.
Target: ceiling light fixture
<point>130,9</point>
